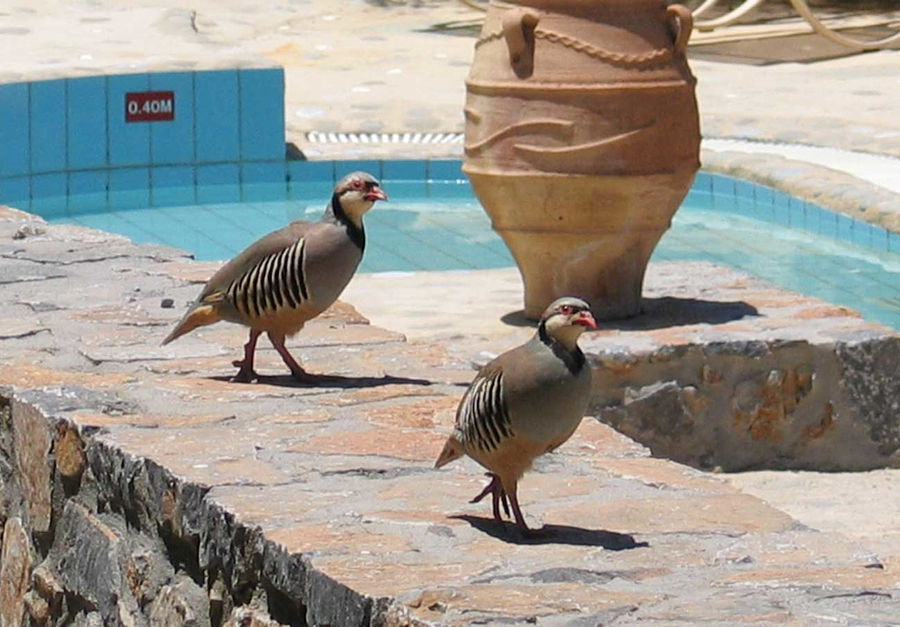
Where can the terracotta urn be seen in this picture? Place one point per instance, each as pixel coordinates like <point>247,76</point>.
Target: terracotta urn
<point>582,139</point>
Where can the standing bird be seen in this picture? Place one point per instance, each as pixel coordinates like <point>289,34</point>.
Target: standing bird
<point>289,276</point>
<point>524,403</point>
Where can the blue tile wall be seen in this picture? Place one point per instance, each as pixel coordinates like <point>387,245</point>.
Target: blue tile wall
<point>812,220</point>
<point>405,170</point>
<point>172,142</point>
<point>845,228</point>
<point>262,113</point>
<point>305,171</point>
<point>263,181</point>
<point>745,189</point>
<point>764,196</point>
<point>309,179</point>
<point>48,126</point>
<point>782,208</point>
<point>724,198</point>
<point>894,242</point>
<point>863,234</point>
<point>47,185</point>
<point>828,222</point>
<point>86,141</point>
<point>703,182</point>
<point>373,167</point>
<point>129,142</point>
<point>880,238</point>
<point>15,191</point>
<point>129,188</point>
<point>446,170</point>
<point>14,149</point>
<point>796,212</point>
<point>216,112</point>
<point>218,183</point>
<point>87,190</point>
<point>78,124</point>
<point>173,185</point>
<point>48,192</point>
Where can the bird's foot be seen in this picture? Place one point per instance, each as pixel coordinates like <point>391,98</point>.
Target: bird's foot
<point>498,495</point>
<point>245,374</point>
<point>527,533</point>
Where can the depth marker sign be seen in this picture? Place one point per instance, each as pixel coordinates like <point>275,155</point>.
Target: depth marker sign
<point>149,106</point>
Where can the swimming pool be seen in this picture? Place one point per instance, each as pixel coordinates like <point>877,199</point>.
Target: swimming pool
<point>438,225</point>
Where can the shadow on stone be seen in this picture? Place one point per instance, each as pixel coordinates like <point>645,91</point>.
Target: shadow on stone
<point>333,381</point>
<point>657,313</point>
<point>668,311</point>
<point>554,534</point>
<point>518,319</point>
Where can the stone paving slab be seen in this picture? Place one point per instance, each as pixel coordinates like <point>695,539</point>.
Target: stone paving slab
<point>281,500</point>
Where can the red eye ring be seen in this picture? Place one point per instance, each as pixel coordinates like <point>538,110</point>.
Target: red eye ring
<point>566,310</point>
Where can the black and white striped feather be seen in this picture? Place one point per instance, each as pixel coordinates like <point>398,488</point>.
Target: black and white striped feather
<point>482,418</point>
<point>275,282</point>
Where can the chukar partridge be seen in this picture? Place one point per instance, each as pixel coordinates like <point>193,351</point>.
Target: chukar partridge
<point>524,403</point>
<point>289,276</point>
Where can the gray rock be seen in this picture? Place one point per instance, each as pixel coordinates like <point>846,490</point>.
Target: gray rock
<point>182,603</point>
<point>15,569</point>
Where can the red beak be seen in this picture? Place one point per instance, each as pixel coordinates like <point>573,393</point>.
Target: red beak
<point>375,194</point>
<point>585,319</point>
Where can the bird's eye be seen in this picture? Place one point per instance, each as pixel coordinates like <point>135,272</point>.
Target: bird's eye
<point>566,310</point>
<point>358,184</point>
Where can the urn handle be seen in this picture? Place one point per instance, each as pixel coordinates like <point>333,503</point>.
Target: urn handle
<point>683,20</point>
<point>518,29</point>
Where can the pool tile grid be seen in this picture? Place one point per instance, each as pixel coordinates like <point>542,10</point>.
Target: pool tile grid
<point>850,281</point>
<point>74,125</point>
<point>444,247</point>
<point>279,180</point>
<point>725,193</point>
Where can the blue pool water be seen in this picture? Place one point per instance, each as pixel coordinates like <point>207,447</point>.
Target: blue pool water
<point>440,226</point>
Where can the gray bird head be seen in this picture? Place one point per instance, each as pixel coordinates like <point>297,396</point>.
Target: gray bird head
<point>356,193</point>
<point>565,320</point>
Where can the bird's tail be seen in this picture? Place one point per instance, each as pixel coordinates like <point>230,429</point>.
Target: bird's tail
<point>452,450</point>
<point>195,317</point>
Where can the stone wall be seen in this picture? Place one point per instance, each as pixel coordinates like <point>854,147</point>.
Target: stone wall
<point>94,536</point>
<point>742,405</point>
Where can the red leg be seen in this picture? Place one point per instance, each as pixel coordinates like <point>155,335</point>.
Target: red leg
<point>517,512</point>
<point>296,370</point>
<point>246,373</point>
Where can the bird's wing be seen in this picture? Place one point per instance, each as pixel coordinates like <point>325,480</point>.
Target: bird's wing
<point>253,257</point>
<point>482,418</point>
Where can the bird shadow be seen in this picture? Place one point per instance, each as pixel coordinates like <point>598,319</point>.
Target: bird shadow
<point>553,534</point>
<point>331,381</point>
<point>662,312</point>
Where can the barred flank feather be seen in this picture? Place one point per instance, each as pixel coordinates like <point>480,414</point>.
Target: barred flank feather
<point>276,282</point>
<point>483,418</point>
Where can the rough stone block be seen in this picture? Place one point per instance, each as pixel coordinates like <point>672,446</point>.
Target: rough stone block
<point>46,596</point>
<point>92,560</point>
<point>182,603</point>
<point>249,617</point>
<point>332,603</point>
<point>737,405</point>
<point>15,571</point>
<point>69,452</point>
<point>32,440</point>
